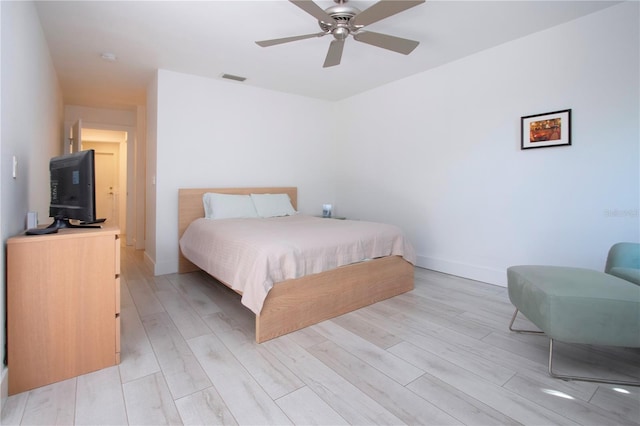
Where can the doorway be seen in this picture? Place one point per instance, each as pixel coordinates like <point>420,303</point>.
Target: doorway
<point>110,148</point>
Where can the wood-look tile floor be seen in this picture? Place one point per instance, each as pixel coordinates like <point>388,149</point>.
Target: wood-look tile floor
<point>440,354</point>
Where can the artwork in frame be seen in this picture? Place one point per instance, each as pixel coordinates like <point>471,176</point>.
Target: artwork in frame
<point>544,130</point>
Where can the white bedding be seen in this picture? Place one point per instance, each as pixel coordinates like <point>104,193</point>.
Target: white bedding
<point>251,254</point>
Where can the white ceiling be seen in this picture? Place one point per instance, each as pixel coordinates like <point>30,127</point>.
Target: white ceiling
<point>210,38</point>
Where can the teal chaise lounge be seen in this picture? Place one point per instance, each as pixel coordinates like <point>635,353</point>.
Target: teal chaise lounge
<point>584,306</point>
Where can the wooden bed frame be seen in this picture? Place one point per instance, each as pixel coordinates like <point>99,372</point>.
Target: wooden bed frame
<point>298,303</point>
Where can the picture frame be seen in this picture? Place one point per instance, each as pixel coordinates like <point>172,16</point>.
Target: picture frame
<point>546,130</point>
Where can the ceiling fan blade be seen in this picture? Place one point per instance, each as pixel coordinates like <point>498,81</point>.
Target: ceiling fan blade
<point>383,9</point>
<point>396,44</point>
<point>314,10</point>
<point>273,42</point>
<point>334,54</point>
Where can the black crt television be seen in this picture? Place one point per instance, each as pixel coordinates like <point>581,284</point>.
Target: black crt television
<point>73,194</point>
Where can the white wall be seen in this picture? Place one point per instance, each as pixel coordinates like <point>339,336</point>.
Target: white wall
<point>31,123</point>
<point>217,133</point>
<point>137,169</point>
<point>439,153</point>
<point>104,118</point>
<point>150,172</point>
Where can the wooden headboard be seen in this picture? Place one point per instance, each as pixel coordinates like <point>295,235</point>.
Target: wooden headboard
<point>190,208</point>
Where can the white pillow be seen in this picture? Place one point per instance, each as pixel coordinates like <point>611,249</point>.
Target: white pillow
<point>271,205</point>
<point>225,206</point>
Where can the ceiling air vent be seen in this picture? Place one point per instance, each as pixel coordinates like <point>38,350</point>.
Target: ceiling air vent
<point>233,77</point>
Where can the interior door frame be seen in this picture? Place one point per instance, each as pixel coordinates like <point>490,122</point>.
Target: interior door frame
<point>134,234</point>
<point>74,137</point>
<point>113,156</point>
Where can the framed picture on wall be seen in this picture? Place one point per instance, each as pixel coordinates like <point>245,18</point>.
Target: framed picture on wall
<point>544,130</point>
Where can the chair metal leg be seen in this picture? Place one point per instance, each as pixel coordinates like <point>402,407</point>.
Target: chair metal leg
<point>585,379</point>
<point>563,376</point>
<point>513,319</point>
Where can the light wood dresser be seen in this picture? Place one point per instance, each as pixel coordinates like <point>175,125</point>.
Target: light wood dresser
<point>63,305</point>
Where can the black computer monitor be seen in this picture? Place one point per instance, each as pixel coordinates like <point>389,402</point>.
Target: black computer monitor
<point>73,195</point>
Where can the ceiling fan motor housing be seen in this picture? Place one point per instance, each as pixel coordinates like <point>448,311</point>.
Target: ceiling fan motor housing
<point>342,14</point>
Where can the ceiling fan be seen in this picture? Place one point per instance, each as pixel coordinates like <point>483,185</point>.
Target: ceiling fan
<point>342,20</point>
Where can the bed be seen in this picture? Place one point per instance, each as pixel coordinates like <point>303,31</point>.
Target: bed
<point>293,304</point>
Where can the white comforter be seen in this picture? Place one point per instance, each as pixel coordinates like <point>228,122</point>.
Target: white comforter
<point>250,255</point>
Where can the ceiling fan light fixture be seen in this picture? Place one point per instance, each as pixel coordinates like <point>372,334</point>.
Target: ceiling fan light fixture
<point>341,33</point>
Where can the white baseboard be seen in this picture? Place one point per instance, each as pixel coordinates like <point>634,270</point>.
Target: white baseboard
<point>148,262</point>
<point>478,273</point>
<point>160,268</point>
<point>163,268</point>
<point>4,387</point>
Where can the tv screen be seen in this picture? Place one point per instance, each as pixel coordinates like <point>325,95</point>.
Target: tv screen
<point>72,179</point>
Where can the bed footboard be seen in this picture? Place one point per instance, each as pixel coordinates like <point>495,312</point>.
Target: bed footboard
<point>295,304</point>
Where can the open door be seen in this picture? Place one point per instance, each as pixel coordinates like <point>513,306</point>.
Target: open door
<point>110,169</point>
<point>106,186</point>
<point>75,144</point>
